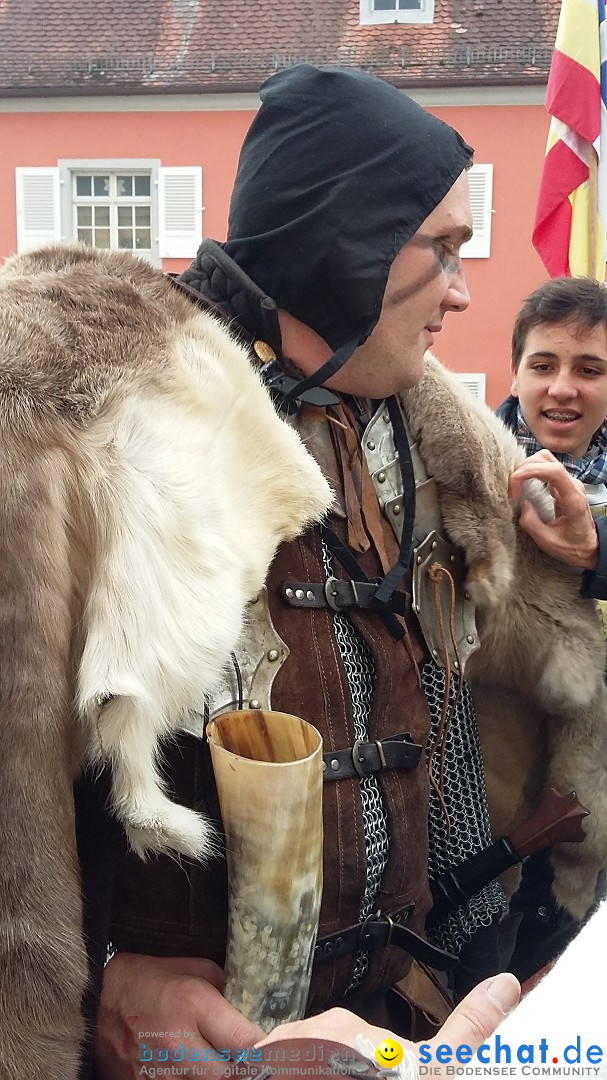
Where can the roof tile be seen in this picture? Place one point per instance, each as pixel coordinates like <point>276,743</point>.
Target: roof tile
<point>150,46</point>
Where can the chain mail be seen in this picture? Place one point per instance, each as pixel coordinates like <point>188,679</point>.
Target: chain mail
<point>466,801</point>
<point>360,673</point>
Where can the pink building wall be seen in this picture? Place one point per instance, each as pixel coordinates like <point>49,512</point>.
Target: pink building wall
<point>512,138</point>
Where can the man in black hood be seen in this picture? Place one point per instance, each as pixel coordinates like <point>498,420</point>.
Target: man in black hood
<point>337,173</point>
<point>348,213</point>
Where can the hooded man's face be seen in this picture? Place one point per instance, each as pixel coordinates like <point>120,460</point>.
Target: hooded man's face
<point>426,280</point>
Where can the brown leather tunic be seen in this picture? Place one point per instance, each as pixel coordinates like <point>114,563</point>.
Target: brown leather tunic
<point>168,909</point>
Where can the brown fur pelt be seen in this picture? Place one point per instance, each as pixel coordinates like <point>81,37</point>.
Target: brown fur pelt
<point>146,482</point>
<point>538,675</point>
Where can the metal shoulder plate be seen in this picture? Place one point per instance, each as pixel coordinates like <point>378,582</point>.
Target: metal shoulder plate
<point>435,559</point>
<point>260,654</point>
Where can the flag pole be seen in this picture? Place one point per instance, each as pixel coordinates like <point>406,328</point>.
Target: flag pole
<point>593,212</point>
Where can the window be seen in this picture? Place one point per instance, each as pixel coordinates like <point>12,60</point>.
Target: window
<point>113,210</point>
<point>397,5</point>
<point>119,205</point>
<point>373,12</point>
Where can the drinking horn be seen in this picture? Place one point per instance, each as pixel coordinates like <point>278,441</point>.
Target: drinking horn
<point>268,771</point>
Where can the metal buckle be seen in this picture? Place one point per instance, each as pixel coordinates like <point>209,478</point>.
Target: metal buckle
<point>376,916</point>
<point>355,759</point>
<point>363,772</point>
<point>331,593</point>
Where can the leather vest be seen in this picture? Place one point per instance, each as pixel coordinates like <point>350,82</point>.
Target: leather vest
<point>164,908</point>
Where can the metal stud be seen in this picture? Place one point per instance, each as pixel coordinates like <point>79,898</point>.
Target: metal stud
<point>273,655</point>
<point>381,476</point>
<point>299,594</point>
<point>396,509</point>
<point>470,639</point>
<point>289,594</point>
<point>467,595</point>
<point>386,417</point>
<point>433,545</point>
<point>452,557</point>
<point>371,445</point>
<point>309,595</point>
<point>264,351</point>
<point>334,764</point>
<point>254,703</point>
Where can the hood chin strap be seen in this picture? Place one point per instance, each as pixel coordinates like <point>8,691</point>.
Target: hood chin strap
<point>332,365</point>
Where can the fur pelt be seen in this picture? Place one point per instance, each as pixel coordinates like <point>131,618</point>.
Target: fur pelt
<point>146,482</point>
<point>538,677</point>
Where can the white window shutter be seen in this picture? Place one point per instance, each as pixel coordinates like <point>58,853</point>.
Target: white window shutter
<point>475,383</point>
<point>480,178</point>
<point>38,207</point>
<point>180,211</point>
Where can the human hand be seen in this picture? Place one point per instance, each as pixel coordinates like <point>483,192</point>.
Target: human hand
<point>178,997</point>
<point>474,1019</point>
<point>572,536</point>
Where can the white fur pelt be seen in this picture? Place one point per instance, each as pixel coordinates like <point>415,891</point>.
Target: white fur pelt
<point>542,654</point>
<point>146,482</point>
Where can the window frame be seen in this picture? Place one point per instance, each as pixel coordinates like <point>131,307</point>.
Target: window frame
<point>69,167</point>
<point>370,17</point>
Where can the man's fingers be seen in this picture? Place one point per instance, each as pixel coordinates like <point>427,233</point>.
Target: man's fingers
<point>478,1015</point>
<point>570,492</point>
<point>219,1022</point>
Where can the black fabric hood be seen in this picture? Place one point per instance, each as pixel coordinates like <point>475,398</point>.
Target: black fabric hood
<point>336,173</point>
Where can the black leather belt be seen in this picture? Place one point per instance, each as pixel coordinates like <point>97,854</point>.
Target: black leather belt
<point>340,595</point>
<point>379,931</point>
<point>365,758</point>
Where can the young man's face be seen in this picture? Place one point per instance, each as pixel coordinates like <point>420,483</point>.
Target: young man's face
<point>425,281</point>
<point>561,384</point>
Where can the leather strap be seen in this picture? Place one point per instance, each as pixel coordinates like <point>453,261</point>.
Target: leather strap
<point>377,932</point>
<point>365,758</point>
<point>337,595</point>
